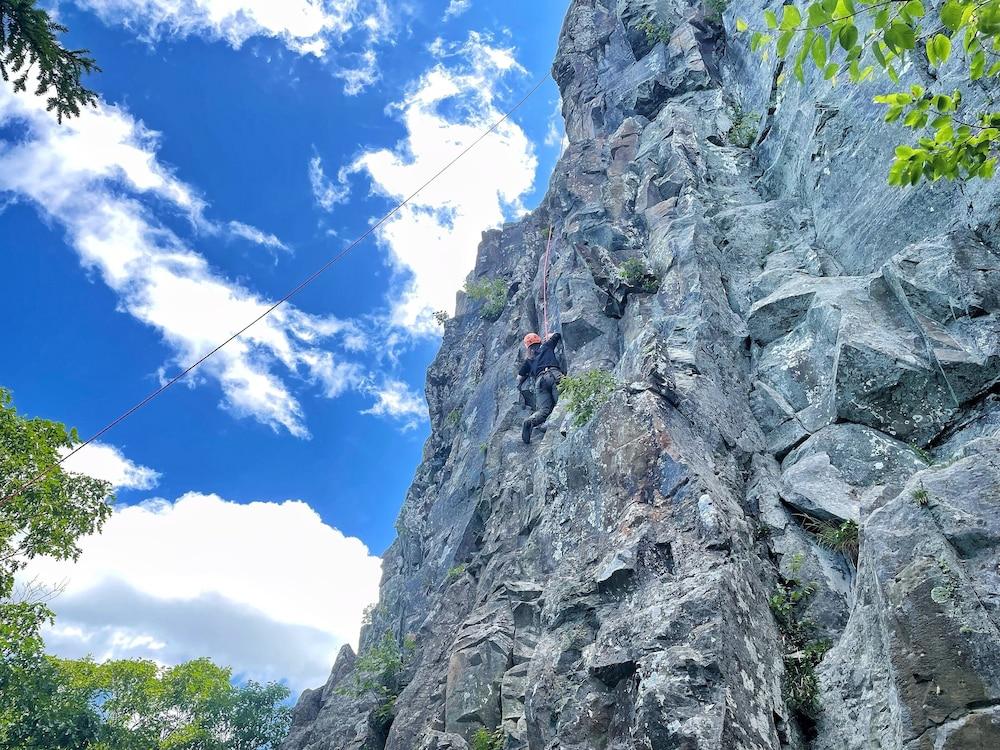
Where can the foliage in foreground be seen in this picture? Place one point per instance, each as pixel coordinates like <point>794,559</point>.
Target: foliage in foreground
<point>29,46</point>
<point>48,703</point>
<point>48,519</point>
<point>133,703</point>
<point>586,392</point>
<point>864,40</point>
<point>492,293</point>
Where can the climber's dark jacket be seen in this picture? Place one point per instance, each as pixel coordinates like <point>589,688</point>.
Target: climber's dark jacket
<point>541,357</point>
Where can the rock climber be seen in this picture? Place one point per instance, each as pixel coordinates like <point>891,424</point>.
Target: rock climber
<point>542,364</point>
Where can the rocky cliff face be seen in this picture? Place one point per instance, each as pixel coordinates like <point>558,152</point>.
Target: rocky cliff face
<point>821,357</point>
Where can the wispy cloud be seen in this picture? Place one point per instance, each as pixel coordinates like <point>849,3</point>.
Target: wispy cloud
<point>326,193</point>
<point>188,590</point>
<point>309,27</point>
<point>432,241</point>
<point>108,463</point>
<point>456,8</point>
<point>555,134</point>
<point>395,399</point>
<point>94,176</point>
<point>256,236</point>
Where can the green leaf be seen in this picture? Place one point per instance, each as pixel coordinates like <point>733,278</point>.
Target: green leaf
<point>951,14</point>
<point>938,49</point>
<point>877,52</point>
<point>819,52</point>
<point>900,36</point>
<point>831,71</point>
<point>741,25</point>
<point>978,65</point>
<point>817,16</point>
<point>914,8</point>
<point>790,17</point>
<point>848,36</point>
<point>770,19</point>
<point>784,39</point>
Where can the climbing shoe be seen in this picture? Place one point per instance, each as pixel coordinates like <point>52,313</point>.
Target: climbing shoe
<point>526,431</point>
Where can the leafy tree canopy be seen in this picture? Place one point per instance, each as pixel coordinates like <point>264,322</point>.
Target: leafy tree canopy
<point>135,705</point>
<point>957,40</point>
<point>47,519</point>
<point>29,46</point>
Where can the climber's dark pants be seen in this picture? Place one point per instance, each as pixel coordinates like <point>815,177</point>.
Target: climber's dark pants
<point>527,390</point>
<point>546,396</point>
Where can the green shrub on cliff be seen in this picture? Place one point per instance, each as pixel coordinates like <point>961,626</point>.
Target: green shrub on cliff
<point>484,739</point>
<point>586,392</point>
<point>492,293</point>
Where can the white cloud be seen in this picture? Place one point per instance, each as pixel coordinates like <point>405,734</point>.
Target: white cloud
<point>106,462</point>
<point>555,135</point>
<point>266,588</point>
<point>258,237</point>
<point>456,8</point>
<point>326,193</point>
<point>395,399</point>
<point>433,240</point>
<point>361,75</point>
<point>91,175</point>
<point>307,27</point>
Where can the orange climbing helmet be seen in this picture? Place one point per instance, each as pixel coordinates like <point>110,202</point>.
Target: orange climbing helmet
<point>532,338</point>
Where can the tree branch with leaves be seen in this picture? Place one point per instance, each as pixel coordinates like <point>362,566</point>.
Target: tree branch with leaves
<point>862,40</point>
<point>30,51</point>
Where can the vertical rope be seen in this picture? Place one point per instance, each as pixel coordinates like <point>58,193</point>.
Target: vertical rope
<point>545,286</point>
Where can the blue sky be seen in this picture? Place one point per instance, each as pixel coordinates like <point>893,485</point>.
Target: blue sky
<point>232,154</point>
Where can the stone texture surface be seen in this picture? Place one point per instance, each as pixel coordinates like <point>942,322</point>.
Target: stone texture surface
<point>821,348</point>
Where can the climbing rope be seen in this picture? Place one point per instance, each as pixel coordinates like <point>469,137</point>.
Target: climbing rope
<point>545,286</point>
<point>295,290</point>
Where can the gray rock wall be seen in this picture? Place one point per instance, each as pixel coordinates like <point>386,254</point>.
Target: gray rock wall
<point>822,351</point>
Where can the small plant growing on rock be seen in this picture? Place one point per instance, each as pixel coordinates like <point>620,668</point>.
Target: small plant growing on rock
<point>442,317</point>
<point>585,393</point>
<point>715,9</point>
<point>636,274</point>
<point>655,32</point>
<point>378,674</point>
<point>484,739</point>
<point>457,571</point>
<point>492,293</point>
<point>839,537</point>
<point>801,651</point>
<point>801,681</point>
<point>921,496</point>
<point>453,418</point>
<point>744,128</point>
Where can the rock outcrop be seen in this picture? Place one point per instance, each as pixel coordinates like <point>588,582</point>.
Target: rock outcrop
<point>782,530</point>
